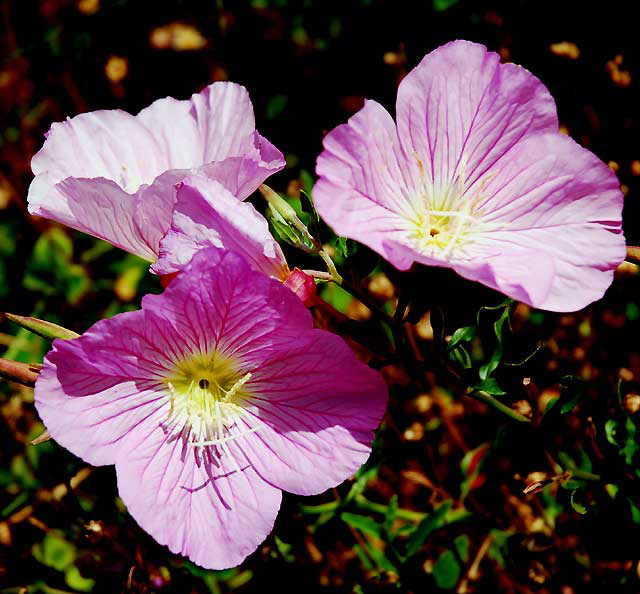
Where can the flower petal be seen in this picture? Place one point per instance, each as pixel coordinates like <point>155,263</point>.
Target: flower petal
<point>554,198</point>
<point>460,110</point>
<point>94,389</point>
<point>219,302</point>
<point>206,214</point>
<point>216,127</point>
<point>214,515</point>
<point>112,175</point>
<point>364,179</point>
<point>313,410</point>
<point>98,207</point>
<point>111,144</point>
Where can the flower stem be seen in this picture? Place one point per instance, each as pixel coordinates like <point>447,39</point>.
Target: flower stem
<point>487,398</point>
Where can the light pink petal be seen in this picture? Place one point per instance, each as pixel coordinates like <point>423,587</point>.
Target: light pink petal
<point>366,182</point>
<point>209,512</point>
<point>524,275</point>
<point>87,174</point>
<point>206,214</point>
<point>219,302</point>
<point>94,389</point>
<point>98,207</point>
<point>154,207</point>
<point>460,110</point>
<point>109,144</point>
<point>555,198</point>
<point>112,175</point>
<point>313,410</point>
<point>242,175</point>
<point>216,128</point>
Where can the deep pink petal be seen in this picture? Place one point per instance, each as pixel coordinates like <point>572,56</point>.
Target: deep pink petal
<point>219,302</point>
<point>206,214</point>
<point>94,389</point>
<point>209,512</point>
<point>315,407</point>
<point>459,111</point>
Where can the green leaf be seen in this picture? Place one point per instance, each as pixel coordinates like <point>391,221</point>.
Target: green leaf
<point>498,328</point>
<point>446,571</point>
<point>50,269</point>
<point>54,552</point>
<point>463,544</point>
<point>390,516</point>
<point>490,385</point>
<point>576,504</point>
<point>275,106</point>
<point>460,356</point>
<point>610,431</point>
<point>427,526</point>
<point>365,559</point>
<point>307,205</point>
<point>335,295</point>
<point>464,334</point>
<point>76,581</point>
<point>363,523</point>
<point>442,5</point>
<point>284,549</point>
<point>42,328</point>
<point>381,559</point>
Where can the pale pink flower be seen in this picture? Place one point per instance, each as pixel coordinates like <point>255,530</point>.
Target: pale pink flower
<point>476,176</point>
<point>206,214</point>
<point>210,400</point>
<point>113,175</point>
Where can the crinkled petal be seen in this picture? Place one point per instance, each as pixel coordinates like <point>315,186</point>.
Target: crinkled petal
<point>459,111</point>
<point>555,198</point>
<point>94,389</point>
<point>209,512</point>
<point>219,302</point>
<point>109,144</point>
<point>216,128</point>
<point>206,214</point>
<point>112,175</point>
<point>313,407</point>
<point>98,207</point>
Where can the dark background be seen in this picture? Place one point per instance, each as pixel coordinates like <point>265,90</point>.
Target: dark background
<point>308,66</point>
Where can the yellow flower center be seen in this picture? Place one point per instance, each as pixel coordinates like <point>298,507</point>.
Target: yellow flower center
<point>444,219</point>
<point>208,395</point>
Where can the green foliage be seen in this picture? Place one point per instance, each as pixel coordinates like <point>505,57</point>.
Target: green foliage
<point>442,5</point>
<point>55,552</point>
<point>446,571</point>
<point>51,269</point>
<point>425,528</point>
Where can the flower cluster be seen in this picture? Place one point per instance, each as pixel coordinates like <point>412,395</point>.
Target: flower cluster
<point>219,393</point>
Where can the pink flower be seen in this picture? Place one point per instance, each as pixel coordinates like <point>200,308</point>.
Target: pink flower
<point>209,400</point>
<point>112,175</point>
<point>476,176</point>
<point>206,214</point>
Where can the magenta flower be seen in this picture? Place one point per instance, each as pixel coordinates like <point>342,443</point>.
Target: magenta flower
<point>209,400</point>
<point>476,176</point>
<point>112,175</point>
